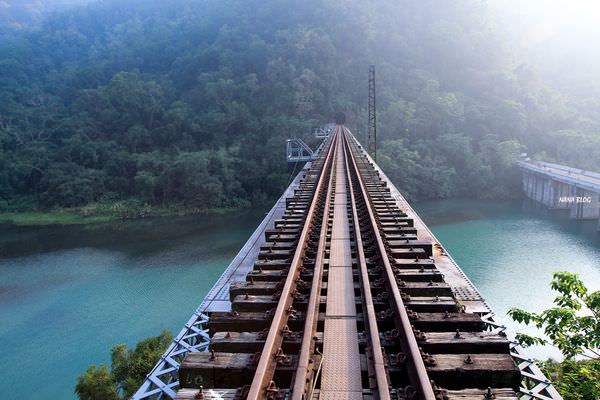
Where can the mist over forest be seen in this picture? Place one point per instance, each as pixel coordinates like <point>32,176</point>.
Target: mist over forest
<point>190,102</point>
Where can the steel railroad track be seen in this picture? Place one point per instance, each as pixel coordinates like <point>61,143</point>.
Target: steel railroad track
<point>345,302</point>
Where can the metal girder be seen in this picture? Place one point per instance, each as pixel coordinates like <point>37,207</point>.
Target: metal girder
<point>162,382</point>
<point>534,384</point>
<point>298,151</point>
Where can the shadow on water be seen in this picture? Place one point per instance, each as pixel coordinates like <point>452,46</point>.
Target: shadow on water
<point>134,237</point>
<point>91,287</point>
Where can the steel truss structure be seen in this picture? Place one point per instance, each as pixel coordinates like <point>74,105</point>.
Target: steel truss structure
<point>534,384</point>
<point>162,382</point>
<point>298,151</point>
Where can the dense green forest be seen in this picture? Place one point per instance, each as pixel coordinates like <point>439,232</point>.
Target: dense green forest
<point>189,102</point>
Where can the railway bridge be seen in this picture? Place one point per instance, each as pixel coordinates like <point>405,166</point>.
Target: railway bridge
<point>342,292</point>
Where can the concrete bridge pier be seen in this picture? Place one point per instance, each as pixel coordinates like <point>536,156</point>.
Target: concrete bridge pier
<point>585,205</point>
<point>560,191</point>
<point>581,203</point>
<point>541,189</point>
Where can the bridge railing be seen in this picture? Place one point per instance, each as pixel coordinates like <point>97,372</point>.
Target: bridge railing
<point>567,169</point>
<point>542,169</point>
<point>298,151</point>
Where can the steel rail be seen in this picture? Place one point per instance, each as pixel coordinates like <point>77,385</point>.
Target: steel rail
<point>373,331</point>
<point>418,373</point>
<point>312,311</point>
<point>262,381</point>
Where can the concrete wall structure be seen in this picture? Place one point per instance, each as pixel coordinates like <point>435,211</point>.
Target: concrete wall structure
<point>563,188</point>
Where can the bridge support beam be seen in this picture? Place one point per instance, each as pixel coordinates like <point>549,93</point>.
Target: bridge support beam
<point>540,189</point>
<point>581,203</point>
<point>585,205</point>
<point>560,191</point>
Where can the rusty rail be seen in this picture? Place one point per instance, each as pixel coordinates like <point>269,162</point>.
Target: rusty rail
<point>312,313</point>
<point>343,260</point>
<point>411,348</point>
<point>381,380</point>
<point>262,382</point>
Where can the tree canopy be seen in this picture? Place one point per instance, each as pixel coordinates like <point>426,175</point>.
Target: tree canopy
<point>190,102</point>
<point>128,370</point>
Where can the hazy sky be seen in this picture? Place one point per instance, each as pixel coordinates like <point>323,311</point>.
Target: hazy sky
<point>550,20</point>
<point>560,37</point>
<point>23,13</point>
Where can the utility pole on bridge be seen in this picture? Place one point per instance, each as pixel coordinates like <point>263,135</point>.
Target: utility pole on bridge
<point>372,141</point>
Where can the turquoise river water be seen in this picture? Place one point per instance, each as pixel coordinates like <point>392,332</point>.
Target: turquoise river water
<point>67,294</point>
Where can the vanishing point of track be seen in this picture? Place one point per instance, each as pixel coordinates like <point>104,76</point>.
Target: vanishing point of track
<point>345,302</point>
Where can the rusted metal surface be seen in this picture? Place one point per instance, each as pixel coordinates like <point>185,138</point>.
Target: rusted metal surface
<point>306,361</point>
<point>341,378</point>
<point>418,371</point>
<point>346,300</point>
<point>261,384</point>
<point>380,382</point>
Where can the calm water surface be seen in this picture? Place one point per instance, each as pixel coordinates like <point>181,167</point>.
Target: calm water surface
<point>510,249</point>
<point>68,294</point>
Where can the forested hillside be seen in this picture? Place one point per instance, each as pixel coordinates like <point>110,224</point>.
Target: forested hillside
<point>26,15</point>
<point>190,102</point>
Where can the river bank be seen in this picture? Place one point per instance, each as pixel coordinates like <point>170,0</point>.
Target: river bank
<point>100,213</point>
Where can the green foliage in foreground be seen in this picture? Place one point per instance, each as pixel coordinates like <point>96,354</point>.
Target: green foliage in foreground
<point>574,380</point>
<point>128,370</point>
<point>573,325</point>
